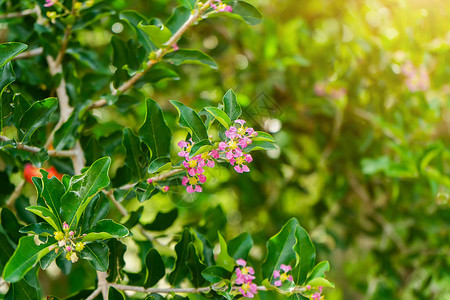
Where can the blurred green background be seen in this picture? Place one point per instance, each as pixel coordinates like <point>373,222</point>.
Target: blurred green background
<point>357,96</point>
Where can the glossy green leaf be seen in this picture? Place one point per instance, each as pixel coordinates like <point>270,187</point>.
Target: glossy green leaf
<point>215,274</point>
<point>260,145</point>
<point>264,137</point>
<point>25,257</point>
<point>316,282</point>
<point>305,253</point>
<point>43,229</point>
<point>240,246</point>
<point>82,189</point>
<point>7,77</point>
<point>201,147</point>
<point>220,116</point>
<point>47,259</point>
<point>158,35</point>
<point>36,116</point>
<point>11,225</point>
<point>106,229</point>
<point>155,132</point>
<point>134,218</point>
<point>66,135</point>
<point>280,248</point>
<point>23,291</point>
<point>223,258</point>
<point>160,164</point>
<point>97,255</point>
<point>144,191</point>
<point>52,192</point>
<point>195,266</point>
<point>96,210</point>
<point>47,215</point>
<point>189,4</point>
<point>231,106</point>
<point>187,56</point>
<point>179,16</point>
<point>21,105</point>
<point>133,19</point>
<point>162,221</point>
<point>180,268</point>
<point>6,250</point>
<point>114,294</point>
<point>155,269</point>
<point>246,12</point>
<point>189,119</point>
<point>116,260</point>
<point>10,50</point>
<point>319,270</point>
<point>135,158</point>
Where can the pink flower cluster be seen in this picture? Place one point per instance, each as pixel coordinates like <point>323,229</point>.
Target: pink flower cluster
<point>282,277</point>
<point>416,79</point>
<point>220,7</point>
<point>239,137</point>
<point>244,277</point>
<point>49,3</point>
<point>317,295</point>
<point>195,166</point>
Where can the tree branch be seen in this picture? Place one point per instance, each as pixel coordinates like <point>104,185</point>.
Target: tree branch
<point>103,284</point>
<point>53,153</point>
<point>12,199</point>
<point>158,55</point>
<point>94,294</point>
<point>19,14</point>
<point>30,53</point>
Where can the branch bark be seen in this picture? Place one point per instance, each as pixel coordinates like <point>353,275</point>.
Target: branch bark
<point>30,53</point>
<point>53,153</point>
<point>19,14</point>
<point>159,54</point>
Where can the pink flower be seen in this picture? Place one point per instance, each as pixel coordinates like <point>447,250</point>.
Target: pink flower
<point>165,188</point>
<point>285,268</point>
<point>282,277</point>
<point>65,226</point>
<point>150,181</point>
<point>71,233</point>
<point>49,3</point>
<point>175,47</point>
<point>244,274</point>
<point>68,248</point>
<point>241,262</point>
<point>248,289</point>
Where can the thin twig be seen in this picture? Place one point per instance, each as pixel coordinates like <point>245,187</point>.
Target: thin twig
<point>124,287</point>
<point>17,191</point>
<point>158,55</point>
<point>19,14</point>
<point>53,153</point>
<point>103,284</point>
<point>30,53</point>
<point>94,294</point>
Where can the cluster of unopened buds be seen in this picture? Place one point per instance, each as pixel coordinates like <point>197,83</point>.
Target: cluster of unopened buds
<point>67,240</point>
<point>218,6</point>
<point>53,15</point>
<point>231,150</point>
<point>244,278</point>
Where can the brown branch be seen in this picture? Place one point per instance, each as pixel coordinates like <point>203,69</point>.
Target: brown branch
<point>158,55</point>
<point>53,153</point>
<point>30,53</point>
<point>12,199</point>
<point>94,294</point>
<point>19,14</point>
<point>103,284</point>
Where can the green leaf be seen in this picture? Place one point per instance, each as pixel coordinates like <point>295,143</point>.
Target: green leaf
<point>263,137</point>
<point>6,250</point>
<point>47,259</point>
<point>187,56</point>
<point>316,282</point>
<point>135,158</point>
<point>189,119</point>
<point>23,291</point>
<point>220,116</point>
<point>96,210</point>
<point>47,215</point>
<point>246,12</point>
<point>11,225</point>
<point>106,229</point>
<point>260,145</point>
<point>280,248</point>
<point>201,147</point>
<point>231,106</point>
<point>42,229</point>
<point>97,255</point>
<point>82,189</point>
<point>134,218</point>
<point>305,255</point>
<point>179,16</point>
<point>224,259</point>
<point>36,116</point>
<point>155,268</point>
<point>25,257</point>
<point>189,4</point>
<point>160,164</point>
<point>162,221</point>
<point>116,260</point>
<point>114,294</point>
<point>195,266</point>
<point>319,270</point>
<point>215,274</point>
<point>7,77</point>
<point>158,35</point>
<point>10,50</point>
<point>52,192</point>
<point>66,135</point>
<point>181,249</point>
<point>155,132</point>
<point>133,19</point>
<point>240,246</point>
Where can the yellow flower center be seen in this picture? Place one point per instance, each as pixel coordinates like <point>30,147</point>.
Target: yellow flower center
<point>192,180</point>
<point>244,271</point>
<point>284,277</point>
<point>188,148</point>
<point>205,155</point>
<point>245,286</point>
<point>192,163</point>
<point>232,145</point>
<point>58,235</point>
<point>240,160</point>
<point>242,130</point>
